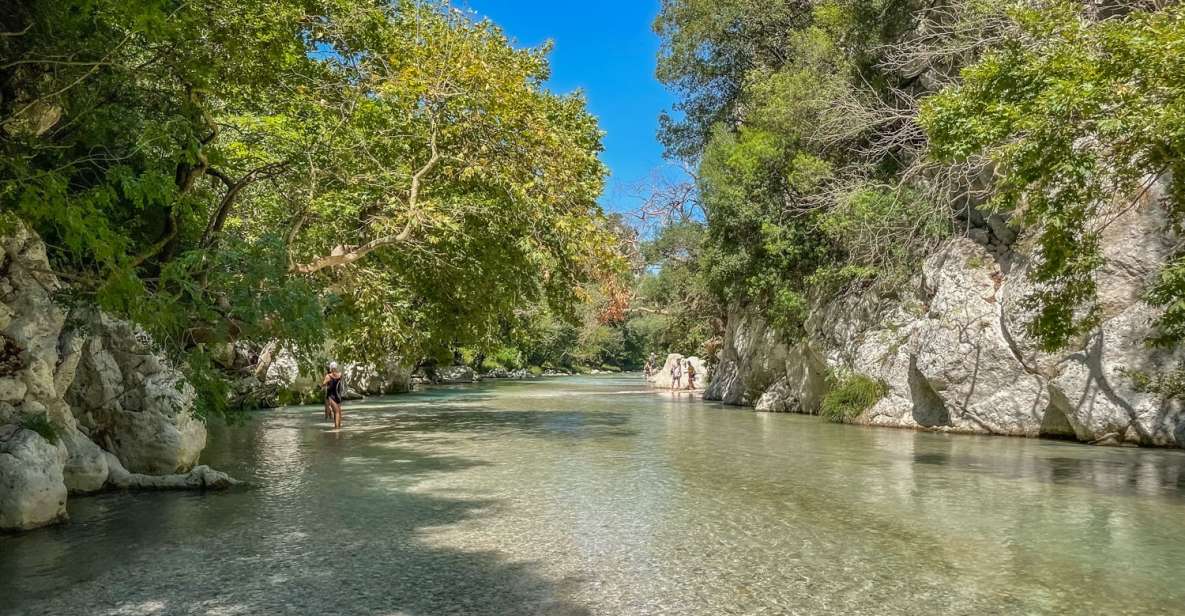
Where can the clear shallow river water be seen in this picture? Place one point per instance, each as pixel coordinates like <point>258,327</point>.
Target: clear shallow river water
<point>587,496</point>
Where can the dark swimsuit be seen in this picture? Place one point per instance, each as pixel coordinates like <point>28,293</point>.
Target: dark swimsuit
<point>333,390</point>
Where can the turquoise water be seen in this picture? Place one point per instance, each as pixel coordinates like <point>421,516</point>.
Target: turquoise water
<point>597,496</point>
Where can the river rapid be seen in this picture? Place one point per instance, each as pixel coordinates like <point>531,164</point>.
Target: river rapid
<point>596,495</point>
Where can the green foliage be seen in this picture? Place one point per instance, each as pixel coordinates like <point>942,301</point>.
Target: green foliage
<point>800,180</point>
<point>1168,386</point>
<point>883,233</point>
<point>1168,292</point>
<point>675,310</point>
<point>708,48</point>
<point>850,396</point>
<point>41,425</point>
<point>1074,113</point>
<point>758,251</point>
<point>391,175</point>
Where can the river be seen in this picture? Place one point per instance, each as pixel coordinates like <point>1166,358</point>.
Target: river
<point>593,495</point>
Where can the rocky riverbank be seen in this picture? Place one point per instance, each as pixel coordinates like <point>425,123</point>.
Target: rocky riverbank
<point>953,353</point>
<point>86,403</point>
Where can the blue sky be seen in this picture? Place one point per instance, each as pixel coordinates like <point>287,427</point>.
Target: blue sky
<point>607,49</point>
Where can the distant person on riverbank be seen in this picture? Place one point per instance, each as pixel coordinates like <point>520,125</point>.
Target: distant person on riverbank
<point>690,375</point>
<point>677,375</point>
<point>333,393</point>
<point>649,369</point>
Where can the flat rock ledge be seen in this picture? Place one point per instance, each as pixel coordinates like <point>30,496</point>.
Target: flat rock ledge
<point>200,478</point>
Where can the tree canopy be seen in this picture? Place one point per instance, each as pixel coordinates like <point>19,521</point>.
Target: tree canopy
<point>393,176</point>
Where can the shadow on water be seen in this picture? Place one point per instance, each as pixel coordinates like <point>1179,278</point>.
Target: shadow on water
<point>337,523</point>
<point>1054,462</point>
<point>492,424</point>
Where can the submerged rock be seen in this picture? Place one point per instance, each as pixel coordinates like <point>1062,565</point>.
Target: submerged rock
<point>200,478</point>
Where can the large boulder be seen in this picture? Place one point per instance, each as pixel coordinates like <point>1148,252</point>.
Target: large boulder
<point>801,387</point>
<point>390,377</point>
<point>85,469</point>
<point>283,371</point>
<point>132,402</point>
<point>128,396</point>
<point>958,370</point>
<point>1095,386</point>
<point>32,490</point>
<point>32,483</point>
<point>752,358</point>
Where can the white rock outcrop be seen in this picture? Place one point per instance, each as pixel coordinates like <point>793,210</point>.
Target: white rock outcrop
<point>131,399</point>
<point>32,490</point>
<point>132,402</point>
<point>956,357</point>
<point>391,377</point>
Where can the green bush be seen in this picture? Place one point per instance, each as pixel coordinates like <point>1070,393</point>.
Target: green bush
<point>467,356</point>
<point>507,357</point>
<point>41,425</point>
<point>851,396</point>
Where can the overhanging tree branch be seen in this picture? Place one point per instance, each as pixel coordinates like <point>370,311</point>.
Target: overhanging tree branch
<point>345,255</point>
<point>218,219</point>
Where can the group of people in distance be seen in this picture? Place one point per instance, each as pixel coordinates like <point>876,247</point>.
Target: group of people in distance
<point>679,368</point>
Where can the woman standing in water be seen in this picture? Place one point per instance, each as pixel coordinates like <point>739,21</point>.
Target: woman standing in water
<point>328,407</point>
<point>333,396</point>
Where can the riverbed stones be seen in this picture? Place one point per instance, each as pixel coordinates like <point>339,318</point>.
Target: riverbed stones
<point>454,375</point>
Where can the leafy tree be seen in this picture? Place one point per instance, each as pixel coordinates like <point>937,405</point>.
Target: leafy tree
<point>709,49</point>
<point>393,176</point>
<point>1073,112</point>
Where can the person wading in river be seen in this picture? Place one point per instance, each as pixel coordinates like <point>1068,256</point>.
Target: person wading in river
<point>328,407</point>
<point>677,375</point>
<point>333,393</point>
<point>690,375</point>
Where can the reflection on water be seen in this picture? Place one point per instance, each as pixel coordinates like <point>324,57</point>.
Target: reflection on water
<point>593,496</point>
